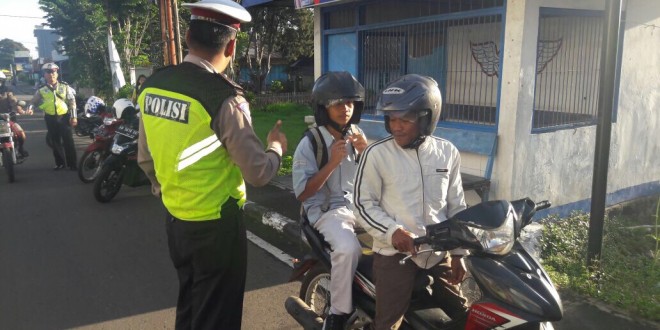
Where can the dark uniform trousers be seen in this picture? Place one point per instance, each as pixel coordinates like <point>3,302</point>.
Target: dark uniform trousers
<point>61,138</point>
<point>211,261</point>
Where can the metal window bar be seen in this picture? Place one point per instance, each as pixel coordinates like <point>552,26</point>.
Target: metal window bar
<point>462,54</point>
<point>567,69</point>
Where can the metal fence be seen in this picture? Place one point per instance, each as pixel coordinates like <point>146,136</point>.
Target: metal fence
<point>567,68</point>
<point>266,99</point>
<point>461,54</point>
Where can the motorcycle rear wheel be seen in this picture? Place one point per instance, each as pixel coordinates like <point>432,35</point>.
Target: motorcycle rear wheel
<point>89,165</point>
<point>8,164</point>
<point>315,290</point>
<point>108,183</point>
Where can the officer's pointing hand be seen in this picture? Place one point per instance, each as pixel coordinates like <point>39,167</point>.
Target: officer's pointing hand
<point>276,138</point>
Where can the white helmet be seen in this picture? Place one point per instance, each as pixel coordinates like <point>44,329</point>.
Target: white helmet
<point>123,108</point>
<point>2,76</point>
<point>94,105</point>
<point>223,12</point>
<point>51,66</point>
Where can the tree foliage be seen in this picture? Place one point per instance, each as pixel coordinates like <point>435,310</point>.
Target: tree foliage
<point>276,31</point>
<point>135,27</point>
<point>84,27</point>
<point>7,49</point>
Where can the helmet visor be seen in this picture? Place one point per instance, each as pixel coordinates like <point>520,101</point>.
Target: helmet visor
<point>406,115</point>
<point>332,102</point>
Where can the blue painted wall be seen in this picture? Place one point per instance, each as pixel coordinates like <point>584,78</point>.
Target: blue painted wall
<point>342,53</point>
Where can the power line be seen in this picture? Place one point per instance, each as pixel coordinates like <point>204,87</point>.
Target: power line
<point>17,16</point>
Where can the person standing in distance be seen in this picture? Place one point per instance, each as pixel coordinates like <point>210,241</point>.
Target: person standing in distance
<point>58,102</point>
<point>405,182</point>
<point>198,147</point>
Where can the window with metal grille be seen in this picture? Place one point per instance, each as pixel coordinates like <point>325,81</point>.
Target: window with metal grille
<point>567,69</point>
<point>462,55</point>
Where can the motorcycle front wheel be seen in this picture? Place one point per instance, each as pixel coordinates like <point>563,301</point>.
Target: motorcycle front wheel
<point>108,183</point>
<point>8,164</point>
<point>89,165</point>
<point>315,290</point>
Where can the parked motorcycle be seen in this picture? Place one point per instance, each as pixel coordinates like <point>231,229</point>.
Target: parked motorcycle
<point>91,116</point>
<point>509,287</point>
<point>96,152</point>
<point>10,156</point>
<point>121,166</point>
<point>86,125</point>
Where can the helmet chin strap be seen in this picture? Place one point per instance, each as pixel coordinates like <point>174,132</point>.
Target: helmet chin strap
<point>341,129</point>
<point>416,142</point>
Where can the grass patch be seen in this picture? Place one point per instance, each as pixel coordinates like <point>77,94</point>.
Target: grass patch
<point>293,126</point>
<point>627,275</point>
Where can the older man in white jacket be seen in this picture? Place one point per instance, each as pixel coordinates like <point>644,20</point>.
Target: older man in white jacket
<point>404,182</point>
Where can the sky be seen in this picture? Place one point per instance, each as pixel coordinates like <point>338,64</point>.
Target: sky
<point>21,28</point>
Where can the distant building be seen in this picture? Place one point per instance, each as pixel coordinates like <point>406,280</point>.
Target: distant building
<point>46,41</point>
<point>22,61</point>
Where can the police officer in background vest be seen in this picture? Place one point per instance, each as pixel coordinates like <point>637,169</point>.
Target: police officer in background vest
<point>197,146</point>
<point>58,102</point>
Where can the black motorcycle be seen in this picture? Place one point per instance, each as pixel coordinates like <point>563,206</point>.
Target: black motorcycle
<point>121,166</point>
<point>87,123</point>
<point>508,287</point>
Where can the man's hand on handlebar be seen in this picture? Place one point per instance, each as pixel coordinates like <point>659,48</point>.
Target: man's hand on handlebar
<point>403,241</point>
<point>457,270</point>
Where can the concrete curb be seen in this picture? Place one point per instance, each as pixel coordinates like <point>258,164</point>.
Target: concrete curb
<point>263,218</point>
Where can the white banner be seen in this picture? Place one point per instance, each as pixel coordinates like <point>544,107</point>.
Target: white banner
<point>115,66</point>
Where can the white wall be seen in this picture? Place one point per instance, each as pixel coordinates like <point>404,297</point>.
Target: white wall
<point>558,165</point>
<point>464,74</point>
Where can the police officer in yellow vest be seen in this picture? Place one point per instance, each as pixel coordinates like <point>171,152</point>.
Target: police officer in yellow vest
<point>197,146</point>
<point>58,102</point>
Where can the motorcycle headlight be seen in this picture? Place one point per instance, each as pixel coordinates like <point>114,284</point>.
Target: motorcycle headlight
<point>117,149</point>
<point>108,121</point>
<point>497,240</point>
<point>4,128</point>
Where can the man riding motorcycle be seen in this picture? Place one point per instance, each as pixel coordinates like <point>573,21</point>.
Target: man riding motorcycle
<point>405,182</point>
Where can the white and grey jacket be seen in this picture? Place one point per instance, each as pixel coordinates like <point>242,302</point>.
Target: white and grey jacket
<point>407,188</point>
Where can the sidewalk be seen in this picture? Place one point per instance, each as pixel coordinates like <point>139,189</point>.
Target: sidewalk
<point>580,313</point>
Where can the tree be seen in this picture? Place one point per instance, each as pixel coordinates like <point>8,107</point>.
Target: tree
<point>7,49</point>
<point>130,21</point>
<point>276,30</point>
<point>84,27</point>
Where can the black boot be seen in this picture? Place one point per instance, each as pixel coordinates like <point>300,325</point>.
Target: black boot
<point>335,322</point>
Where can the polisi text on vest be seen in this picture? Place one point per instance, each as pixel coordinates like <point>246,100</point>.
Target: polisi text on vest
<point>167,108</point>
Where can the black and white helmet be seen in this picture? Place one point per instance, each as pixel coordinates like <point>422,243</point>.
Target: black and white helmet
<point>414,96</point>
<point>334,87</point>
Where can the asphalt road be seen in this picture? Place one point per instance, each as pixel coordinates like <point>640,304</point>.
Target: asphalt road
<point>68,261</point>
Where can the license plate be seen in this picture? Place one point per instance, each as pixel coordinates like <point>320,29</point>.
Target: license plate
<point>127,131</point>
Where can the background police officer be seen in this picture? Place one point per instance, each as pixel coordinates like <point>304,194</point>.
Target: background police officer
<point>58,102</point>
<point>197,147</point>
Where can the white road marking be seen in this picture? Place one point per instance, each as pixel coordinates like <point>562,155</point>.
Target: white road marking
<point>277,253</point>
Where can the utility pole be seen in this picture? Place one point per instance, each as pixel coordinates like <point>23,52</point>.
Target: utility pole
<point>167,32</point>
<point>609,51</point>
<point>177,32</point>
